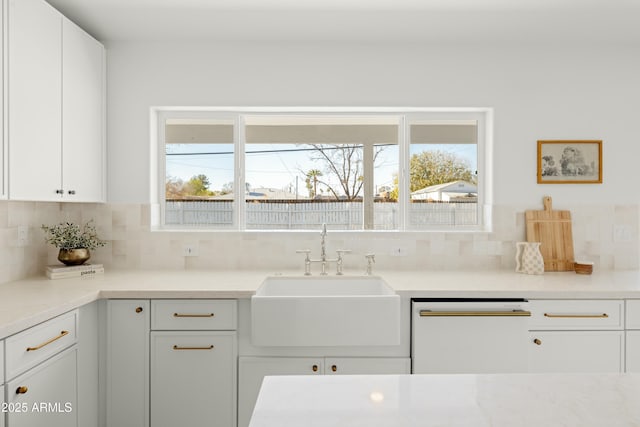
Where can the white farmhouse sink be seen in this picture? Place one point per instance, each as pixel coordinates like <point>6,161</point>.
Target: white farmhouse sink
<point>325,311</point>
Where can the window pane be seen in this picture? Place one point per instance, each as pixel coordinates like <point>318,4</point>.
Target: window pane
<point>199,172</point>
<point>443,181</point>
<point>303,171</point>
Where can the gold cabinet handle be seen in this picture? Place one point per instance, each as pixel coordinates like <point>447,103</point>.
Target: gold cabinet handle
<point>22,389</point>
<point>537,341</point>
<point>139,309</point>
<point>577,316</point>
<point>38,347</point>
<point>314,368</point>
<point>193,315</point>
<point>513,313</point>
<point>209,347</point>
<point>334,368</point>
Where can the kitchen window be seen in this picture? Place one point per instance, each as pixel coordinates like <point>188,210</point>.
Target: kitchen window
<point>295,169</point>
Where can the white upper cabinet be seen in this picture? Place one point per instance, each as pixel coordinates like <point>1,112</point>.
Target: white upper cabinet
<point>35,100</point>
<point>82,115</point>
<point>55,106</point>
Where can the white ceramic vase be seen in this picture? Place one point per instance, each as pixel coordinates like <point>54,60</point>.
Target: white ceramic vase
<point>528,258</point>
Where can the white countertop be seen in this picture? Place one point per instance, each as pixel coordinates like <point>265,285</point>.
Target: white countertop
<point>27,302</point>
<point>535,400</point>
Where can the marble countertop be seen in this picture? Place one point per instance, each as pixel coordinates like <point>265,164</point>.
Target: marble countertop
<point>27,302</point>
<point>494,400</point>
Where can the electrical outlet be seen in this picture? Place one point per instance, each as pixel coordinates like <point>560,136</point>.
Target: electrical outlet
<point>622,233</point>
<point>23,236</point>
<point>190,249</point>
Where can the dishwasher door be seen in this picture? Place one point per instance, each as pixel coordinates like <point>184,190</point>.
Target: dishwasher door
<point>460,336</point>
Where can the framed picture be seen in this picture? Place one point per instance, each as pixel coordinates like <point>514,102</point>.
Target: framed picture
<point>570,162</point>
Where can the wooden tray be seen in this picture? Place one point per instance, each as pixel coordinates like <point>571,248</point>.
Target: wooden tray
<point>553,230</point>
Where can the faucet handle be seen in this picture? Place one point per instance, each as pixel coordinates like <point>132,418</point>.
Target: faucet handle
<point>307,260</point>
<point>371,258</point>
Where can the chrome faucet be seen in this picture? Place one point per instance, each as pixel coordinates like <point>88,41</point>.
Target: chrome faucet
<point>323,249</point>
<point>324,261</point>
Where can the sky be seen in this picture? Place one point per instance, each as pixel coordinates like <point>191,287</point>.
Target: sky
<point>282,166</point>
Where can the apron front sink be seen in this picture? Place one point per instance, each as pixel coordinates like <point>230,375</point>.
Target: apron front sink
<point>325,311</point>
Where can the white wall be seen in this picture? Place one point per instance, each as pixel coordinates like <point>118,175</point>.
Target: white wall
<point>538,92</point>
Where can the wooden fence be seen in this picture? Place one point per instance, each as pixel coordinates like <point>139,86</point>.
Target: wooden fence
<point>311,214</point>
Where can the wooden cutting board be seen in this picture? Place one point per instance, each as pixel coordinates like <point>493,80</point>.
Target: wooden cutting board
<point>553,230</point>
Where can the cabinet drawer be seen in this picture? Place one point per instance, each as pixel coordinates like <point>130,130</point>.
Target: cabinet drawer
<point>185,315</point>
<point>633,313</point>
<point>576,314</point>
<point>26,349</point>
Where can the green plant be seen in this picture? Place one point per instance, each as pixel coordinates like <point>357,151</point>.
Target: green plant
<point>71,236</point>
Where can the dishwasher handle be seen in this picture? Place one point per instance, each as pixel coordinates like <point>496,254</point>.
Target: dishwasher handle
<point>511,313</point>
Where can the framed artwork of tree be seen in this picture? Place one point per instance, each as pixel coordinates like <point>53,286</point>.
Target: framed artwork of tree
<point>570,162</point>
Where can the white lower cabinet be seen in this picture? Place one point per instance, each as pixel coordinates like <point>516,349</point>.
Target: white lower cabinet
<point>633,351</point>
<point>577,336</point>
<point>193,378</point>
<point>576,351</point>
<point>46,395</point>
<point>252,371</point>
<point>160,373</point>
<point>632,359</point>
<point>127,347</point>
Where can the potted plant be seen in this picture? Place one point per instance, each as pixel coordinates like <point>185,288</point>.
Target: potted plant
<point>74,242</point>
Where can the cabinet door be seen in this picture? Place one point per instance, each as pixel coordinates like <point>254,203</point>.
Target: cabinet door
<point>82,115</point>
<point>47,392</point>
<point>193,379</point>
<point>633,351</point>
<point>576,351</point>
<point>35,100</point>
<point>252,371</point>
<point>367,365</point>
<point>128,323</point>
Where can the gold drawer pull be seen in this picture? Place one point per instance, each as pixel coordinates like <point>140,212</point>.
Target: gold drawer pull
<point>22,389</point>
<point>334,368</point>
<point>38,347</point>
<point>429,313</point>
<point>139,309</point>
<point>314,368</point>
<point>537,341</point>
<point>193,315</point>
<point>209,347</point>
<point>577,316</point>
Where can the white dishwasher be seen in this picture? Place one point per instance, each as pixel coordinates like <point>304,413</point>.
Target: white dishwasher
<point>469,335</point>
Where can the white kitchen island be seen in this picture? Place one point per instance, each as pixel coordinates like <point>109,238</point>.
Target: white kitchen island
<point>507,400</point>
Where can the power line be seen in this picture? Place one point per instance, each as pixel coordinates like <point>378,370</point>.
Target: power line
<point>283,150</point>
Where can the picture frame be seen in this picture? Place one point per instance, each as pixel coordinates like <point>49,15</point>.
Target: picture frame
<point>569,162</point>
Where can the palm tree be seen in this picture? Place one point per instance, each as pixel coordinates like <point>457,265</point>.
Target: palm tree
<point>312,182</point>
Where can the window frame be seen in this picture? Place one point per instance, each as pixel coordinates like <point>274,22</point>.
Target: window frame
<point>483,116</point>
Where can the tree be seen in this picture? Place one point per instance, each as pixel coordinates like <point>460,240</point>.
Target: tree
<point>343,162</point>
<point>437,167</point>
<point>312,182</point>
<point>174,188</point>
<point>198,185</point>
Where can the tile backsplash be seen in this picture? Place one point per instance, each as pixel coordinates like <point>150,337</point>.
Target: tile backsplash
<point>606,235</point>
